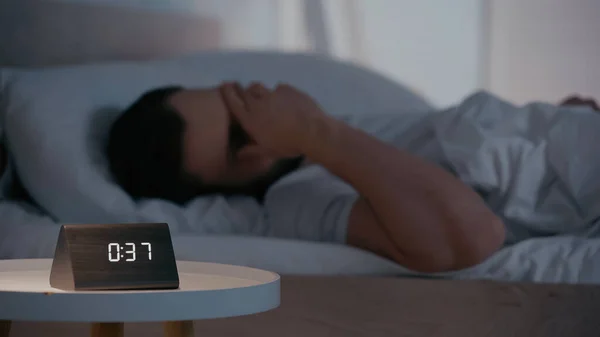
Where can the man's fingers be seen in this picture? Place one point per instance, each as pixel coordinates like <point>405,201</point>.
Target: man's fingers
<point>258,90</point>
<point>253,95</point>
<point>591,103</point>
<point>241,102</point>
<point>233,100</point>
<point>577,100</point>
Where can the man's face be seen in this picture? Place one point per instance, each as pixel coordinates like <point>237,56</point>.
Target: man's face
<point>218,151</point>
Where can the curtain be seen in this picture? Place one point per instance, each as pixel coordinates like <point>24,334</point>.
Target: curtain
<point>331,27</point>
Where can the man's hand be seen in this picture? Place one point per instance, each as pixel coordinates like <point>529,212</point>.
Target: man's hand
<point>283,120</point>
<point>578,101</point>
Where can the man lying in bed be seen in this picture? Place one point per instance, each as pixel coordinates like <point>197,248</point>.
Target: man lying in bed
<point>177,144</point>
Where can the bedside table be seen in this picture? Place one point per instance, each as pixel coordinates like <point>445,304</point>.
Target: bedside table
<point>206,291</point>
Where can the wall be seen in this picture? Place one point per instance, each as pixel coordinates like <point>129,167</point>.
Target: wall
<point>545,49</point>
<point>435,47</point>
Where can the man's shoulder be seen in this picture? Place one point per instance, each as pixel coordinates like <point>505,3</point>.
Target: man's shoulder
<point>308,179</point>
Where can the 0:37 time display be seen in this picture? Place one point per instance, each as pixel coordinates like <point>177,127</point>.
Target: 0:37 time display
<point>116,252</point>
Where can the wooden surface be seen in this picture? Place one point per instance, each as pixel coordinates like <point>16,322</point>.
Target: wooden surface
<point>179,329</point>
<point>107,330</point>
<point>5,328</point>
<point>355,306</point>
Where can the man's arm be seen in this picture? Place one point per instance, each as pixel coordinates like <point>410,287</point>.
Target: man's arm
<point>410,210</point>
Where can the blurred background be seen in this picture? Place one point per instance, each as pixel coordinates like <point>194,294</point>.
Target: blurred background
<point>522,50</point>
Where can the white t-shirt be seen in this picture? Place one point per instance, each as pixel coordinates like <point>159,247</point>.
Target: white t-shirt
<point>310,204</point>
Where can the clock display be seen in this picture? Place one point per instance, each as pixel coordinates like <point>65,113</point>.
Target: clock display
<point>116,253</point>
<point>114,256</point>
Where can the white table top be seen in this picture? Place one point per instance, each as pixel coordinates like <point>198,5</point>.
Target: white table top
<point>207,290</point>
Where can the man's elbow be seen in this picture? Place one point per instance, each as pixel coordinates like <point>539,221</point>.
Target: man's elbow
<point>463,251</point>
<point>481,245</point>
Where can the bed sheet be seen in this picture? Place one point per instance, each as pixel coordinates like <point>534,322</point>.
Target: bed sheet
<point>27,233</point>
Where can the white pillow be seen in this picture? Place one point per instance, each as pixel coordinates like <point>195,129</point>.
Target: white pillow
<point>56,118</point>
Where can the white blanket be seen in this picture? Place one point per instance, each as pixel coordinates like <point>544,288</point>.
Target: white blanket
<point>534,165</point>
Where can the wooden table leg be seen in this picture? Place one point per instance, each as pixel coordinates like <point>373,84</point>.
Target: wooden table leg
<point>5,328</point>
<point>179,329</point>
<point>107,330</point>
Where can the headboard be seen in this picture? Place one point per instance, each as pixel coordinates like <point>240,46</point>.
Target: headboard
<point>50,32</point>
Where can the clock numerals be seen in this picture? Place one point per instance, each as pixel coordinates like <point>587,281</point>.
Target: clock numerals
<point>114,252</point>
<point>114,248</point>
<point>131,252</point>
<point>149,249</point>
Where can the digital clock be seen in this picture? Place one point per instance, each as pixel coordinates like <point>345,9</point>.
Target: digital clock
<point>114,257</point>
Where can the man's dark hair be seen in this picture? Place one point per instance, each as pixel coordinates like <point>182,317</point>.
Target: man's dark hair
<point>145,149</point>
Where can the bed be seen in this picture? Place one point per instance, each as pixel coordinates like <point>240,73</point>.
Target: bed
<point>100,77</point>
